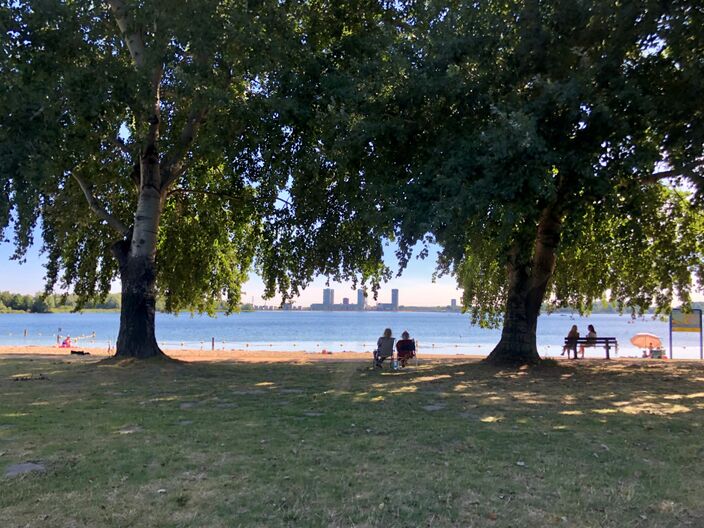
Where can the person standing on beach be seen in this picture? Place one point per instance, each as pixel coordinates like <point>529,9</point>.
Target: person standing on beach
<point>571,344</point>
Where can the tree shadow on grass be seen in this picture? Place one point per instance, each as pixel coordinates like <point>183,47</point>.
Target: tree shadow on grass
<point>656,388</point>
<point>473,437</point>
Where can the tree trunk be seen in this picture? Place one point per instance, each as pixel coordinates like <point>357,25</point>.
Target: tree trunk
<point>137,258</point>
<point>137,338</point>
<point>518,344</point>
<point>528,279</point>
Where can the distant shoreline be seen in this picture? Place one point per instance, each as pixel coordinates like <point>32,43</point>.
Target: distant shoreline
<point>405,309</point>
<point>409,309</point>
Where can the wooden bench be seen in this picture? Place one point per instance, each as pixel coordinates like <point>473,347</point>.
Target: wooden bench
<point>591,342</point>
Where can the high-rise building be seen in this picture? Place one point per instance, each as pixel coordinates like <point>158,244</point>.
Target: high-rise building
<point>345,301</point>
<point>360,299</point>
<point>394,299</point>
<point>453,303</point>
<point>328,297</point>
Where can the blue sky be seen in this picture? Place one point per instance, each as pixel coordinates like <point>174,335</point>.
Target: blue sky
<point>415,286</point>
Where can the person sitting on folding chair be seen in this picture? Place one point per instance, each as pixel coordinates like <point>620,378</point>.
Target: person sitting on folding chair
<point>405,348</point>
<point>384,348</point>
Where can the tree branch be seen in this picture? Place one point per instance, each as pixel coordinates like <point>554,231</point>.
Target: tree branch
<point>662,175</point>
<point>207,193</point>
<point>174,161</point>
<point>133,36</point>
<point>135,174</point>
<point>687,172</point>
<point>155,118</point>
<point>100,211</point>
<point>117,142</point>
<point>218,194</point>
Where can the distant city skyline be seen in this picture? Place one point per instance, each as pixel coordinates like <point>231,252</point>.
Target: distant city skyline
<point>329,303</point>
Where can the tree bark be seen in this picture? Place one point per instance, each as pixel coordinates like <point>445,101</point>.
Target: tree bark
<point>528,279</point>
<point>136,256</point>
<point>137,338</point>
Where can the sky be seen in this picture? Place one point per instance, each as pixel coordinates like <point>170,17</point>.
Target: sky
<point>415,285</point>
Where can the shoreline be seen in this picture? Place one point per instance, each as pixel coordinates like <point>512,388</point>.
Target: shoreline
<point>243,356</point>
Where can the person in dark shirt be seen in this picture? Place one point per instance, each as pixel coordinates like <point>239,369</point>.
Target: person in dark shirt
<point>405,348</point>
<point>571,344</point>
<point>591,340</point>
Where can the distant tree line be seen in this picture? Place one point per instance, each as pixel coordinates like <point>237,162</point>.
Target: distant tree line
<point>611,308</point>
<point>43,303</point>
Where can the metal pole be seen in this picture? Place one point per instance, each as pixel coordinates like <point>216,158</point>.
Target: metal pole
<point>701,333</point>
<point>671,334</point>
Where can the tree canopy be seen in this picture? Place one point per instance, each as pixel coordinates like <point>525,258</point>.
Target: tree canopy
<point>564,108</point>
<point>533,141</point>
<point>147,141</point>
<point>553,149</point>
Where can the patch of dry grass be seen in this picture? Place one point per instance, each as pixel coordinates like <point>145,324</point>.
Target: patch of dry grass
<point>337,444</point>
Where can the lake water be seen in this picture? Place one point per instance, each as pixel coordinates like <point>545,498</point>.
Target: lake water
<point>446,333</point>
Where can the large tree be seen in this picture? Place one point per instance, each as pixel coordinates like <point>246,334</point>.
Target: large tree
<point>145,138</point>
<point>532,141</point>
<point>538,173</point>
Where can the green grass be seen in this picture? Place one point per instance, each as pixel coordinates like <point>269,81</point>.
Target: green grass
<point>336,444</point>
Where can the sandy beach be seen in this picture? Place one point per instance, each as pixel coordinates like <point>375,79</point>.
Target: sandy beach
<point>245,356</point>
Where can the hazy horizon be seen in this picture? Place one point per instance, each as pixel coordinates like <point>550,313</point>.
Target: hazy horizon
<point>415,286</point>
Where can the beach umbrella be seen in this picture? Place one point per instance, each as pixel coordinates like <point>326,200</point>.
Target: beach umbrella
<point>645,340</point>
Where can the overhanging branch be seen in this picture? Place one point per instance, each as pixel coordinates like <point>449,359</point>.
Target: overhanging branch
<point>684,172</point>
<point>155,117</point>
<point>174,162</point>
<point>204,192</point>
<point>218,194</point>
<point>99,210</point>
<point>133,36</point>
<point>663,175</point>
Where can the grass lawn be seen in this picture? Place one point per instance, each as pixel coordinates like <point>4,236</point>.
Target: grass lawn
<point>335,444</point>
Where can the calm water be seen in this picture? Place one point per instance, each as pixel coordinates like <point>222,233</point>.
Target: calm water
<point>336,331</point>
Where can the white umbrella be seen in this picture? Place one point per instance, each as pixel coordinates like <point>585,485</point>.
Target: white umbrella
<point>645,340</point>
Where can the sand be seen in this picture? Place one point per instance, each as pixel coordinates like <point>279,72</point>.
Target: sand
<point>246,356</point>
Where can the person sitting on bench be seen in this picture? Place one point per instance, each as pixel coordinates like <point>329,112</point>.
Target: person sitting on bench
<point>571,344</point>
<point>591,340</point>
<point>405,348</point>
<point>384,348</point>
